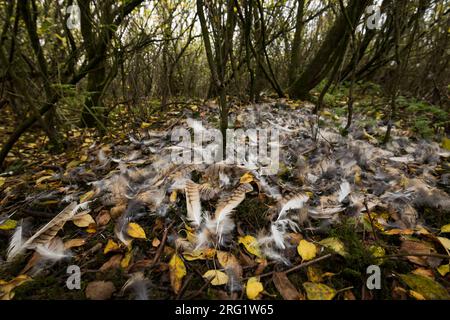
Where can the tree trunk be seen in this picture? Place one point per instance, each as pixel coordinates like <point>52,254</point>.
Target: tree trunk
<point>322,62</point>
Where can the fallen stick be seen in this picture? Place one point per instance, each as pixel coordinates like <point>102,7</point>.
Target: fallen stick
<point>298,267</point>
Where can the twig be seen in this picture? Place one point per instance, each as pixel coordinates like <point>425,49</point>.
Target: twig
<point>370,219</point>
<point>298,267</point>
<point>199,291</point>
<point>183,288</point>
<point>403,255</point>
<point>162,244</point>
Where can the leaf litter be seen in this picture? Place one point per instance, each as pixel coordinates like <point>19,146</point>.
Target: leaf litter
<point>159,230</point>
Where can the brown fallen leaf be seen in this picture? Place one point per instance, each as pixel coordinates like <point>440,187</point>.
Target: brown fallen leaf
<point>103,218</point>
<point>424,272</point>
<point>112,263</point>
<point>314,274</point>
<point>285,287</point>
<point>73,243</point>
<point>100,290</point>
<point>419,247</point>
<point>117,211</point>
<point>348,295</point>
<point>228,260</point>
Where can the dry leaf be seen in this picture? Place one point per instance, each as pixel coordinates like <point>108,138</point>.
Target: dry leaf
<point>416,295</point>
<point>318,291</point>
<point>8,225</point>
<point>218,277</point>
<point>228,260</point>
<point>251,245</point>
<point>285,287</point>
<point>428,288</point>
<point>444,269</point>
<point>100,290</point>
<point>334,244</point>
<point>135,231</point>
<point>103,218</point>
<point>83,221</point>
<point>314,274</point>
<point>445,229</point>
<point>306,250</point>
<point>111,246</point>
<point>87,196</point>
<point>253,288</point>
<point>177,271</point>
<point>126,260</point>
<point>2,181</point>
<point>424,272</point>
<point>7,287</point>
<point>405,232</point>
<point>416,247</point>
<point>445,243</point>
<point>155,242</point>
<point>173,197</point>
<point>203,254</point>
<point>73,243</point>
<point>246,178</point>
<point>112,263</point>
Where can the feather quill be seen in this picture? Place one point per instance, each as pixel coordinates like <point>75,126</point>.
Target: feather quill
<point>344,191</point>
<point>194,208</point>
<point>45,234</point>
<point>293,202</point>
<point>227,205</point>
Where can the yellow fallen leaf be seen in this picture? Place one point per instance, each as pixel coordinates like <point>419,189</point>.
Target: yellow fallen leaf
<point>444,269</point>
<point>314,274</point>
<point>203,254</point>
<point>91,229</point>
<point>177,271</point>
<point>357,177</point>
<point>135,231</point>
<point>2,181</point>
<point>251,245</point>
<point>7,287</point>
<point>8,225</point>
<point>425,286</point>
<point>84,221</point>
<point>445,243</point>
<point>445,229</point>
<point>145,125</point>
<point>446,142</point>
<point>218,277</point>
<point>173,197</point>
<point>306,250</point>
<point>318,291</point>
<point>334,244</point>
<point>125,262</point>
<point>377,251</point>
<point>253,288</point>
<point>87,196</point>
<point>72,164</point>
<point>246,178</point>
<point>393,232</point>
<point>42,179</point>
<point>416,295</point>
<point>424,272</point>
<point>73,243</point>
<point>111,246</point>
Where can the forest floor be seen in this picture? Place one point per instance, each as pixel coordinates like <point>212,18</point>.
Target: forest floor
<point>338,205</point>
